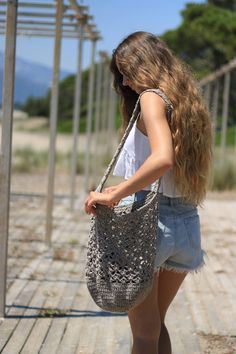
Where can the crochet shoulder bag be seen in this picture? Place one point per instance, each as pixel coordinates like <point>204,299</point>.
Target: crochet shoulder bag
<point>122,244</point>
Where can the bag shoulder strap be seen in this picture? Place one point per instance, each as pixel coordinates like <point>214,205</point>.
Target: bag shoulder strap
<point>126,133</point>
<point>159,92</point>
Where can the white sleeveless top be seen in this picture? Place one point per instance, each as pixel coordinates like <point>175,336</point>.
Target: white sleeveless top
<point>136,150</point>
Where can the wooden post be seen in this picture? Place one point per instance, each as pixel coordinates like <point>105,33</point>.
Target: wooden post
<point>105,105</point>
<point>53,121</point>
<point>97,146</point>
<point>110,123</point>
<point>6,144</point>
<point>76,118</point>
<point>215,109</point>
<point>207,95</point>
<point>113,110</point>
<point>224,116</point>
<point>89,119</point>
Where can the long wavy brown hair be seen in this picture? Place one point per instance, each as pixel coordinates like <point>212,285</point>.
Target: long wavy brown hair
<point>148,63</point>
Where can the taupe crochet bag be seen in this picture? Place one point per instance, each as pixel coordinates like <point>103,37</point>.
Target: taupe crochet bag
<point>122,245</point>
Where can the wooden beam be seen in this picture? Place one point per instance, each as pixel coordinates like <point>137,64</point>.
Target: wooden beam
<point>225,115</point>
<point>218,73</point>
<point>53,123</point>
<point>6,143</point>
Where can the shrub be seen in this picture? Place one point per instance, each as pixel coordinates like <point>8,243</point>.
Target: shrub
<point>224,176</point>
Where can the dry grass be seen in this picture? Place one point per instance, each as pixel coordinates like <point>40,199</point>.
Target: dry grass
<point>216,344</point>
<point>63,254</point>
<point>53,312</point>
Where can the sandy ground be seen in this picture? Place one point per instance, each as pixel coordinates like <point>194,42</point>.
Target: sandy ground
<point>35,133</point>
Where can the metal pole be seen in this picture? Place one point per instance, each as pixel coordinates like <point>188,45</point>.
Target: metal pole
<point>225,115</point>
<point>53,121</point>
<point>89,118</point>
<point>6,143</point>
<point>97,123</point>
<point>76,119</point>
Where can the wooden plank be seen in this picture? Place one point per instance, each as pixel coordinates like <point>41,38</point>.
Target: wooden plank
<point>88,339</point>
<point>227,300</point>
<point>25,324</point>
<point>23,297</point>
<point>8,327</point>
<point>14,267</point>
<point>18,284</point>
<point>54,336</point>
<point>208,302</point>
<point>57,327</point>
<point>112,335</point>
<point>212,279</point>
<point>71,334</point>
<point>41,325</point>
<point>178,331</point>
<point>122,340</point>
<point>99,331</point>
<point>189,328</point>
<point>175,330</point>
<point>224,294</point>
<point>56,333</point>
<point>197,308</point>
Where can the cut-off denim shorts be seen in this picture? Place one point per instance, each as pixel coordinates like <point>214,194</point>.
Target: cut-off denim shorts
<point>179,234</point>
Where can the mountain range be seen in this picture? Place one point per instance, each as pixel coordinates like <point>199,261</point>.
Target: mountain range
<point>31,79</point>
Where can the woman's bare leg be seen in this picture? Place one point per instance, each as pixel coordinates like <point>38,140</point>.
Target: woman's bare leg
<point>164,344</point>
<point>169,283</point>
<point>145,323</point>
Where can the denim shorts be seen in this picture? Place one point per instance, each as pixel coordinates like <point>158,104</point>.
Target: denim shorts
<point>179,234</point>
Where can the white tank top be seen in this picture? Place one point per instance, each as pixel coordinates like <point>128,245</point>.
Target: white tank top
<point>136,150</point>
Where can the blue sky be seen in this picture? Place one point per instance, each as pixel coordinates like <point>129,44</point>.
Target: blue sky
<point>115,19</point>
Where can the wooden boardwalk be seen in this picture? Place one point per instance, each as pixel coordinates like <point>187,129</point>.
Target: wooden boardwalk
<point>49,309</point>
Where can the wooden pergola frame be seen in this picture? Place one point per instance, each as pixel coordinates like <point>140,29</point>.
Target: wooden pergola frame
<point>64,19</point>
<point>210,84</point>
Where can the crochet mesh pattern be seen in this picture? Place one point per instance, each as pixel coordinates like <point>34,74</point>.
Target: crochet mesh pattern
<point>119,253</point>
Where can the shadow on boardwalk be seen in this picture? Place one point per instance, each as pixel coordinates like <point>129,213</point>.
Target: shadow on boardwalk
<point>49,309</point>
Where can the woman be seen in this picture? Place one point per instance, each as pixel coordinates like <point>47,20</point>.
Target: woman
<point>173,139</point>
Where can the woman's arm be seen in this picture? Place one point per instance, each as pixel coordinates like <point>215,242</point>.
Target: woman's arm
<point>159,161</point>
<point>162,155</point>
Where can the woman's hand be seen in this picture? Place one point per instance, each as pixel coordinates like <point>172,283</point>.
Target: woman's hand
<point>106,198</point>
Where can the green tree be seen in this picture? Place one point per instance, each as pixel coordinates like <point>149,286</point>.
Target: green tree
<point>36,106</point>
<point>206,40</point>
<point>225,4</point>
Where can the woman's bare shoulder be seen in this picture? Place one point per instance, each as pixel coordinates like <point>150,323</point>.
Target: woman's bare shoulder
<point>150,101</point>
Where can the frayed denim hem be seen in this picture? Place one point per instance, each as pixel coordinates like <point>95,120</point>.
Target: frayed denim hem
<point>182,269</point>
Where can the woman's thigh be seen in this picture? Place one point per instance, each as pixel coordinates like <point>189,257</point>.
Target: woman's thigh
<point>169,283</point>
